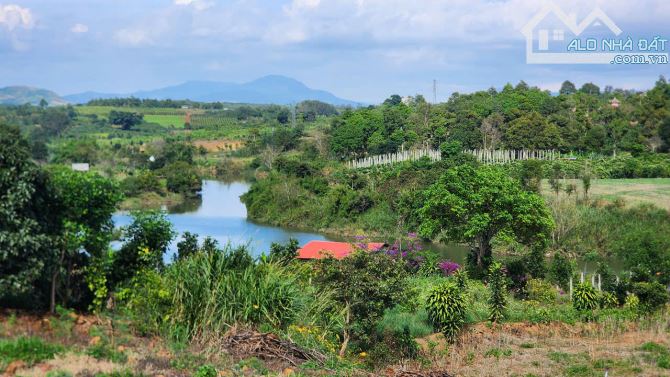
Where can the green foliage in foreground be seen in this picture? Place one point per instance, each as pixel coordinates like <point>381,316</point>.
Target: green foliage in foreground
<point>584,297</point>
<point>231,289</point>
<point>29,350</point>
<point>498,287</point>
<point>446,309</point>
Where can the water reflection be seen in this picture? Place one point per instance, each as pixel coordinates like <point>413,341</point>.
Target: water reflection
<point>220,214</point>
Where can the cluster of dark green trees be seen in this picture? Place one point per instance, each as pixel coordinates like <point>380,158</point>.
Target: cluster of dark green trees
<point>55,232</point>
<point>517,117</point>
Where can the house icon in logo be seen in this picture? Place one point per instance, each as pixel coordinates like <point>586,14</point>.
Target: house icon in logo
<point>539,37</point>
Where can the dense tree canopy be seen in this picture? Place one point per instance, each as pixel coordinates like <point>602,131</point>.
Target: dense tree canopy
<point>474,205</point>
<point>28,217</point>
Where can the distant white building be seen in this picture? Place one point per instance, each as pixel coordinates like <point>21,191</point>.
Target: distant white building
<point>80,166</point>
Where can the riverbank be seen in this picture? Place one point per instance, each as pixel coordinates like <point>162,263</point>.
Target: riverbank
<point>152,201</point>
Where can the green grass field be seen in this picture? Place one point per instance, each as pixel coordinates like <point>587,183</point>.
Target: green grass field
<point>633,191</point>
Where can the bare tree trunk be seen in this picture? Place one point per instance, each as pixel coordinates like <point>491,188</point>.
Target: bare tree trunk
<point>345,337</point>
<point>54,281</point>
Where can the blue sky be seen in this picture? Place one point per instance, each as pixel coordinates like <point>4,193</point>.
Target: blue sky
<point>358,49</point>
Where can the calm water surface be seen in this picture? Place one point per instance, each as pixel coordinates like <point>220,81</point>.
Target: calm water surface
<point>221,215</point>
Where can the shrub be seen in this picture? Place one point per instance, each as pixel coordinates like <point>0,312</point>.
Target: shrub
<point>652,295</point>
<point>461,279</point>
<point>446,310</point>
<point>205,371</point>
<point>561,270</point>
<point>498,288</point>
<point>392,346</point>
<point>632,302</point>
<point>448,267</point>
<point>182,178</point>
<point>541,291</point>
<point>142,181</point>
<point>285,253</point>
<point>607,300</point>
<point>584,297</point>
<point>366,284</point>
<point>146,300</point>
<point>145,241</point>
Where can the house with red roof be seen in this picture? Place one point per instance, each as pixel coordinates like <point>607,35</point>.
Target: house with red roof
<point>337,250</point>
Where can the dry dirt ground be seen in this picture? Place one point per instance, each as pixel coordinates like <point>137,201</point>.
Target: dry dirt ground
<point>521,349</point>
<point>518,349</point>
<point>219,145</point>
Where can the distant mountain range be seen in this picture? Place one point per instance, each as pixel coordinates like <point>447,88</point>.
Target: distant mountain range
<point>269,89</point>
<point>272,89</point>
<point>19,95</point>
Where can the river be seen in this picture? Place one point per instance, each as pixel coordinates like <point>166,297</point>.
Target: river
<point>221,215</point>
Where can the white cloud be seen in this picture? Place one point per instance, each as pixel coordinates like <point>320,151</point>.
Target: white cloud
<point>454,20</point>
<point>13,17</point>
<point>79,28</point>
<point>133,37</point>
<point>198,5</point>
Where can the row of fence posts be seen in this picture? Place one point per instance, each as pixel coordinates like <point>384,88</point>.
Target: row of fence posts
<point>596,281</point>
<point>487,156</point>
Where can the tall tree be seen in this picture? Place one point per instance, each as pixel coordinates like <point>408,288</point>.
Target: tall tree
<point>473,205</point>
<point>567,88</point>
<point>88,200</point>
<point>28,218</point>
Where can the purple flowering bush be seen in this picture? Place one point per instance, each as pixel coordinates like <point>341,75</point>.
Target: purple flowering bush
<point>448,267</point>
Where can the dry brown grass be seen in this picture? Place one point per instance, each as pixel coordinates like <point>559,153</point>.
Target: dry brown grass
<point>548,350</point>
<point>219,145</point>
<point>654,191</point>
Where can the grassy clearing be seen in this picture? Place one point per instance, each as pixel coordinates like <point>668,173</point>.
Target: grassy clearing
<point>29,350</point>
<point>632,191</point>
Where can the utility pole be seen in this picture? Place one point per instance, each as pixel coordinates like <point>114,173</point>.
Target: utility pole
<point>434,91</point>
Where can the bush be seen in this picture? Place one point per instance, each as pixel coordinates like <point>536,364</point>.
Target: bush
<point>205,371</point>
<point>146,300</point>
<point>145,241</point>
<point>285,253</point>
<point>652,295</point>
<point>584,297</point>
<point>366,284</point>
<point>607,300</point>
<point>632,302</point>
<point>230,289</point>
<point>561,270</point>
<point>182,178</point>
<point>541,291</point>
<point>446,310</point>
<point>498,288</point>
<point>142,181</point>
<point>392,346</point>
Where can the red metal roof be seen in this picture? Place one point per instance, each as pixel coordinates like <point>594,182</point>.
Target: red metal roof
<point>324,249</point>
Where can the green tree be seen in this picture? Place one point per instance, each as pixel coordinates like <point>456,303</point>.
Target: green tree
<point>531,131</point>
<point>567,88</point>
<point>182,178</point>
<point>379,284</point>
<point>28,218</point>
<point>474,205</point>
<point>146,240</point>
<point>590,88</point>
<point>125,119</point>
<point>88,201</point>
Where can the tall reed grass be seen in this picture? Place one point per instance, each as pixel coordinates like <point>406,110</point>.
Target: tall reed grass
<point>213,291</point>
